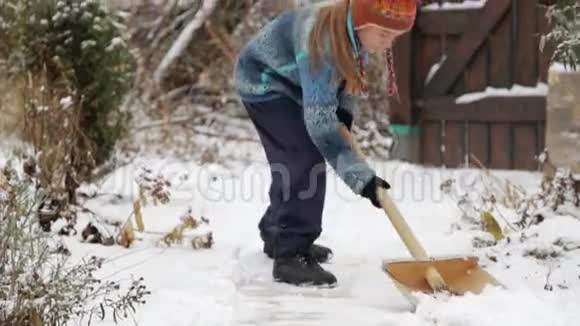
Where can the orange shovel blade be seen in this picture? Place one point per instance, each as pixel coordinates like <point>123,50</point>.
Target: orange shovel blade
<point>461,274</point>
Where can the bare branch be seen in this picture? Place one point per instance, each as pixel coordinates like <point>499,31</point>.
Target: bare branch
<point>184,38</point>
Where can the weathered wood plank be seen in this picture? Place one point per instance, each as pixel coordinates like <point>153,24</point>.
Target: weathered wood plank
<point>541,135</point>
<point>431,143</point>
<point>476,73</point>
<point>500,146</point>
<point>459,86</point>
<point>525,147</point>
<point>471,41</point>
<point>478,143</point>
<point>450,22</point>
<point>401,111</point>
<point>526,69</point>
<point>431,51</point>
<point>453,144</point>
<point>546,53</point>
<point>500,46</point>
<point>506,109</point>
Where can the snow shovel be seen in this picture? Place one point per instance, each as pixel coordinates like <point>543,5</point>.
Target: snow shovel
<point>453,275</point>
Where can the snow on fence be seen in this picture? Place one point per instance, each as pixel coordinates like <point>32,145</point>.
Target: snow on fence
<point>473,83</point>
<point>454,5</point>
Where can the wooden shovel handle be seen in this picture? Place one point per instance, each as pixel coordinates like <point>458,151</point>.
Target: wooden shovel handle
<point>389,207</point>
<point>432,276</point>
<point>401,225</point>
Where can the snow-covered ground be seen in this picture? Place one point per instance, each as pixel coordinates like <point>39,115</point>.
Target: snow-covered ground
<point>230,284</point>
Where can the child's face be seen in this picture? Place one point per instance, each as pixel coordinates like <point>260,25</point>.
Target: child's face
<point>377,40</point>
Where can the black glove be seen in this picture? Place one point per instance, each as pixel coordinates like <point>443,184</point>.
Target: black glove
<point>370,190</point>
<point>345,117</point>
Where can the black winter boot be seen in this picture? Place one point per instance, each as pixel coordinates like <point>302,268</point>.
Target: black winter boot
<point>321,254</point>
<point>302,270</point>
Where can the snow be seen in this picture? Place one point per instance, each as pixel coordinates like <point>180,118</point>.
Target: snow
<point>468,4</point>
<point>115,43</point>
<point>42,108</point>
<point>230,284</point>
<point>541,89</point>
<point>434,68</point>
<point>66,102</point>
<point>87,44</point>
<point>516,307</point>
<point>561,68</point>
<point>570,135</point>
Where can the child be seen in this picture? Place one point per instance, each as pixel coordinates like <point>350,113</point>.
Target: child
<point>297,79</point>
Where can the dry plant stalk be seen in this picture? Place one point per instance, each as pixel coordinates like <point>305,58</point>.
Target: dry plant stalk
<point>127,235</point>
<point>176,234</point>
<point>203,241</point>
<point>138,216</point>
<point>59,150</point>
<point>188,222</point>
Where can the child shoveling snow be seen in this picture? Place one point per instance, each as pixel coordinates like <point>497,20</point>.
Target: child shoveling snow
<point>298,78</point>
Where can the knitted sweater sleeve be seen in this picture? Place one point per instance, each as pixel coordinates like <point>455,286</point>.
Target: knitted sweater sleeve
<point>320,104</point>
<point>349,103</point>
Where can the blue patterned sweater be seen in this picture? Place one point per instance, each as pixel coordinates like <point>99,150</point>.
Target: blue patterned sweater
<point>275,63</point>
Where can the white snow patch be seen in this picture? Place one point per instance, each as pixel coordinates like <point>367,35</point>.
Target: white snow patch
<point>66,102</point>
<point>498,307</point>
<point>570,135</point>
<point>541,89</point>
<point>86,44</point>
<point>231,284</point>
<point>58,225</point>
<point>115,43</point>
<point>434,68</point>
<point>468,4</point>
<point>561,68</point>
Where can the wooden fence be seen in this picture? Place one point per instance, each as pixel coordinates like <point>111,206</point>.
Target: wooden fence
<point>459,51</point>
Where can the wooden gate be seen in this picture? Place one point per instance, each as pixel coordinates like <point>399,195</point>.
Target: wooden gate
<point>444,68</point>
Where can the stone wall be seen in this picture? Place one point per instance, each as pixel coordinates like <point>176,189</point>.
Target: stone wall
<point>563,119</point>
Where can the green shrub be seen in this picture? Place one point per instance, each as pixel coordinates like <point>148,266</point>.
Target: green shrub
<point>564,17</point>
<point>76,46</point>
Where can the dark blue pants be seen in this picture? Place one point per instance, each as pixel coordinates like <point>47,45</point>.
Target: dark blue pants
<point>293,218</point>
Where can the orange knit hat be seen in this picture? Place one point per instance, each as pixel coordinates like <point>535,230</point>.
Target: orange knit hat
<point>392,15</point>
<point>396,15</point>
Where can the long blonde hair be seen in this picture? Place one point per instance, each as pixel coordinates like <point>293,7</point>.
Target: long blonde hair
<point>331,22</point>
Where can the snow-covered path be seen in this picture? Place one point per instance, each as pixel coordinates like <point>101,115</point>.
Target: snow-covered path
<point>230,284</point>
